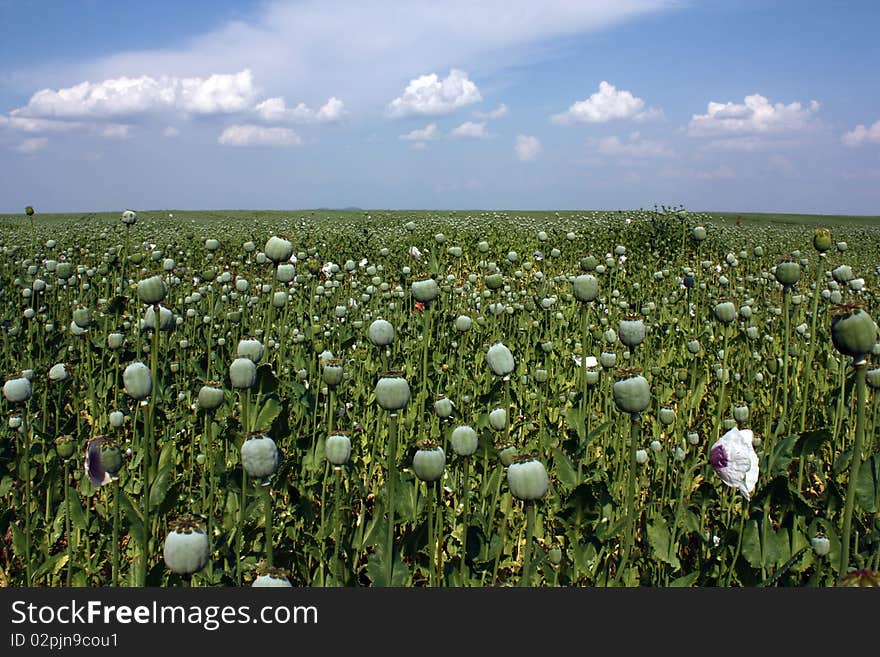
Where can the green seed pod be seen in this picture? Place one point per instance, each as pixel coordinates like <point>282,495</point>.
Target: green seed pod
<point>338,449</point>
<point>585,288</point>
<point>242,373</point>
<point>82,317</point>
<point>641,456</point>
<point>250,348</point>
<point>152,290</point>
<point>499,359</point>
<point>463,323</point>
<point>381,333</point>
<point>429,462</point>
<point>285,273</point>
<point>464,440</point>
<point>632,393</point>
<point>64,271</point>
<point>187,548</point>
<point>541,375</point>
<point>138,381</point>
<point>425,290</point>
<point>111,458</point>
<point>210,397</point>
<point>212,244</point>
<point>592,377</point>
<point>443,406</point>
<point>332,372</point>
<point>494,281</point>
<point>279,299</point>
<point>166,318</point>
<point>698,234</point>
<point>58,372</point>
<point>260,457</point>
<point>666,415</point>
<point>483,247</point>
<point>64,446</point>
<point>741,412</point>
<point>528,479</point>
<point>607,359</point>
<point>631,331</point>
<point>725,312</point>
<point>507,454</point>
<point>822,241</point>
<point>853,332</point>
<point>498,419</point>
<point>117,418</point>
<point>129,217</point>
<point>272,577</point>
<point>392,391</point>
<point>278,249</point>
<point>873,378</point>
<point>788,273</point>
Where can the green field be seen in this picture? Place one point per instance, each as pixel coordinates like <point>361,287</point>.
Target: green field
<point>593,398</point>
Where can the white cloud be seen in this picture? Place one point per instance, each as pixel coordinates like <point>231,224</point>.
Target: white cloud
<point>24,124</point>
<point>428,133</point>
<point>428,95</point>
<point>497,113</point>
<point>115,131</point>
<point>634,147</point>
<point>607,104</point>
<point>276,110</point>
<point>32,145</point>
<point>215,94</point>
<point>754,116</point>
<point>471,130</point>
<point>721,172</point>
<point>527,147</point>
<point>170,132</point>
<point>861,135</point>
<point>255,135</point>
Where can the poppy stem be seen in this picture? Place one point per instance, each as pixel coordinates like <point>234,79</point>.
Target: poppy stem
<point>860,366</point>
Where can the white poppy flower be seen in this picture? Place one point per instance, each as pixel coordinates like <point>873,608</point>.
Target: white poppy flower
<point>415,253</point>
<point>734,459</point>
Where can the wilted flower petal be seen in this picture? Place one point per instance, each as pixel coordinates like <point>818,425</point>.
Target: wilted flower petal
<point>94,470</point>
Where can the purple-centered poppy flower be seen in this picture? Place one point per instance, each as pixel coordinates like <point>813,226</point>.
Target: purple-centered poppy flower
<point>94,469</point>
<point>734,459</point>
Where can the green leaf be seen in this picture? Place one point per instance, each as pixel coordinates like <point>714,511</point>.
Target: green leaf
<point>132,513</point>
<point>868,485</point>
<point>6,485</point>
<point>400,573</point>
<point>159,488</point>
<point>782,455</point>
<point>564,470</point>
<point>661,541</point>
<point>77,517</point>
<point>51,565</point>
<point>270,410</point>
<point>685,580</point>
<point>810,442</point>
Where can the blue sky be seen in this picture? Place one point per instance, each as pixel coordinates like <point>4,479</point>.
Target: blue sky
<point>737,105</point>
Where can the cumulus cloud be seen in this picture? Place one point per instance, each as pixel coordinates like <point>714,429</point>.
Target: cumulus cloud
<point>756,115</point>
<point>634,147</point>
<point>32,145</point>
<point>861,135</point>
<point>527,147</point>
<point>428,95</point>
<point>428,133</point>
<point>25,124</point>
<point>470,130</point>
<point>216,94</point>
<point>607,104</point>
<point>256,135</point>
<point>497,113</point>
<point>276,110</point>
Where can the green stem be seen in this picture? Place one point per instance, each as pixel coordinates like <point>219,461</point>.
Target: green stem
<point>527,555</point>
<point>337,529</point>
<point>631,506</point>
<point>267,511</point>
<point>429,502</point>
<point>845,538</point>
<point>391,474</point>
<point>67,522</point>
<point>115,545</point>
<point>466,483</point>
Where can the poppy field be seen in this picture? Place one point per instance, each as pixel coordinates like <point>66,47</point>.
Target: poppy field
<point>652,397</point>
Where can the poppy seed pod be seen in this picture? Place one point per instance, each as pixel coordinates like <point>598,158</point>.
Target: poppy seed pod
<point>242,373</point>
<point>725,312</point>
<point>210,397</point>
<point>152,290</point>
<point>607,359</point>
<point>250,348</point>
<point>381,332</point>
<point>116,419</point>
<point>499,359</point>
<point>853,332</point>
<point>58,372</point>
<point>103,461</point>
<point>82,317</point>
<point>463,323</point>
<point>698,234</point>
<point>166,318</point>
<point>494,281</point>
<point>17,390</point>
<point>332,372</point>
<point>591,377</point>
<point>429,462</point>
<point>272,577</point>
<point>278,249</point>
<point>631,331</point>
<point>187,548</point>
<point>788,273</point>
<point>585,288</point>
<point>260,457</point>
<point>137,381</point>
<point>641,456</point>
<point>666,415</point>
<point>425,290</point>
<point>443,406</point>
<point>498,419</point>
<point>392,391</point>
<point>821,544</point>
<point>632,393</point>
<point>464,440</point>
<point>741,412</point>
<point>822,241</point>
<point>337,449</point>
<point>64,446</point>
<point>527,479</point>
